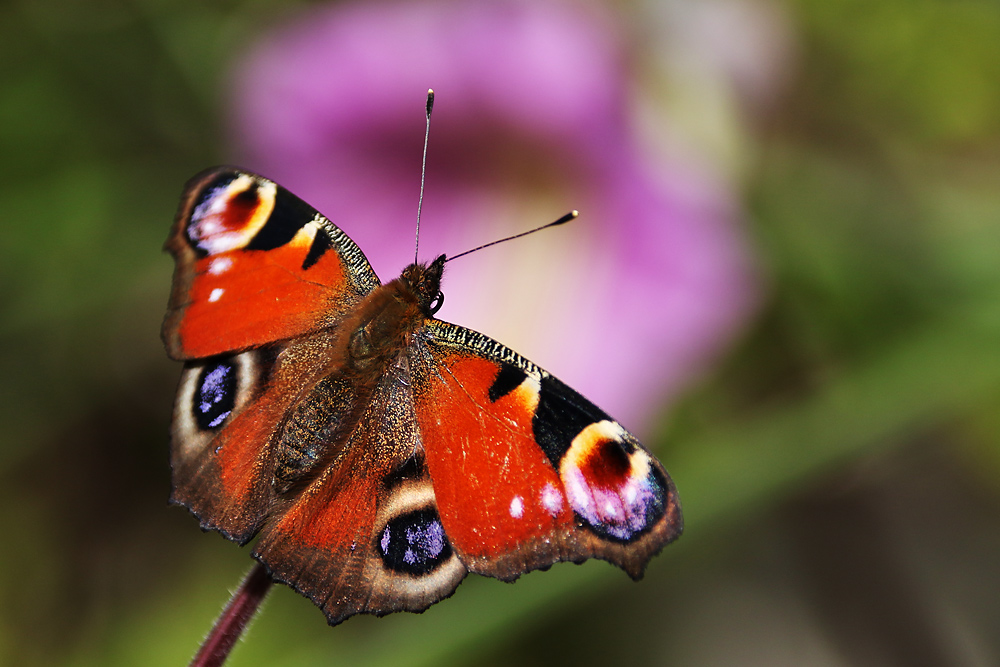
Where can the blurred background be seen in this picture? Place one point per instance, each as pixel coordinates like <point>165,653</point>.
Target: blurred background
<point>785,280</point>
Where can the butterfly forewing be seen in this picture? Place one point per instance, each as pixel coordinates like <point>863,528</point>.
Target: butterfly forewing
<point>528,472</point>
<point>255,264</point>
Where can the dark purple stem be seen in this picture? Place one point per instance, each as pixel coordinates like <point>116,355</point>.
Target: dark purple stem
<point>234,619</point>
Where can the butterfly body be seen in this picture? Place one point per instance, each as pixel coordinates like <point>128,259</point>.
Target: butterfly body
<point>368,346</point>
<point>379,453</point>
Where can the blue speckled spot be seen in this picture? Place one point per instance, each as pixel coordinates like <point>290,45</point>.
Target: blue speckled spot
<point>414,543</point>
<point>216,395</point>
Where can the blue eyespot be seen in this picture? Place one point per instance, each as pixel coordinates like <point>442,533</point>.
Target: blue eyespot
<point>215,395</point>
<point>414,543</point>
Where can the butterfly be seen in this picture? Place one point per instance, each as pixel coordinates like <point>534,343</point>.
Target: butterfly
<point>379,454</point>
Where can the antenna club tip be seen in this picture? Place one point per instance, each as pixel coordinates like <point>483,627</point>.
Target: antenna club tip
<point>572,215</point>
<point>430,100</point>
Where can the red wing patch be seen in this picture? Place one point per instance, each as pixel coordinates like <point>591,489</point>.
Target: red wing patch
<point>485,463</point>
<point>262,300</point>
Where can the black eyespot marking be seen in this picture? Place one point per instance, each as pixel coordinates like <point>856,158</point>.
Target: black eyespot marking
<point>290,214</point>
<point>318,248</point>
<point>561,415</point>
<point>215,395</point>
<point>508,379</point>
<point>414,543</point>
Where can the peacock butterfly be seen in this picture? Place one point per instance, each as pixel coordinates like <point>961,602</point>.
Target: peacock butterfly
<point>379,453</point>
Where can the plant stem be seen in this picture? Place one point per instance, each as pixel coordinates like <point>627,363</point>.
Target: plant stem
<point>234,618</point>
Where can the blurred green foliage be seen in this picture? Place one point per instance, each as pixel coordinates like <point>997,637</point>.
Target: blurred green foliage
<point>874,202</point>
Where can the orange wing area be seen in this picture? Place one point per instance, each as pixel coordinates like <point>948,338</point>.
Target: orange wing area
<point>486,465</point>
<point>230,492</point>
<point>509,498</point>
<point>264,298</point>
<point>255,264</point>
<point>321,544</point>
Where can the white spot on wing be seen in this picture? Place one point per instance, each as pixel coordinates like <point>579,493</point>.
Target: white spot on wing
<point>552,499</point>
<point>216,294</point>
<point>517,507</point>
<point>220,265</point>
<point>610,509</point>
<point>631,494</point>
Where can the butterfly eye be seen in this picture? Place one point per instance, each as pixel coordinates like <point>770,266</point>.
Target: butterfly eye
<point>437,302</point>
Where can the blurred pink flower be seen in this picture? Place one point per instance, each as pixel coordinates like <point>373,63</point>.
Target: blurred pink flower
<point>532,119</point>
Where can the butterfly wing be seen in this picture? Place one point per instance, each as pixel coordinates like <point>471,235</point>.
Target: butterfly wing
<point>229,416</point>
<point>365,536</point>
<point>526,471</point>
<point>255,264</point>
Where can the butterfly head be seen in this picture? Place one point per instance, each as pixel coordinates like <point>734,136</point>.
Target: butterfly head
<point>424,280</point>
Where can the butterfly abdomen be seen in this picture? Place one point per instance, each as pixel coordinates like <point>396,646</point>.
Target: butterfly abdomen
<point>324,417</point>
<point>314,429</point>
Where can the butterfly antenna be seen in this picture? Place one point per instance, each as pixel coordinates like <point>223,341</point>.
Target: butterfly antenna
<point>423,171</point>
<point>572,215</point>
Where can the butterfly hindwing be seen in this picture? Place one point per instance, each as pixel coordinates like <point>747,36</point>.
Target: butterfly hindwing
<point>255,264</point>
<point>365,536</point>
<point>526,471</point>
<point>236,442</point>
